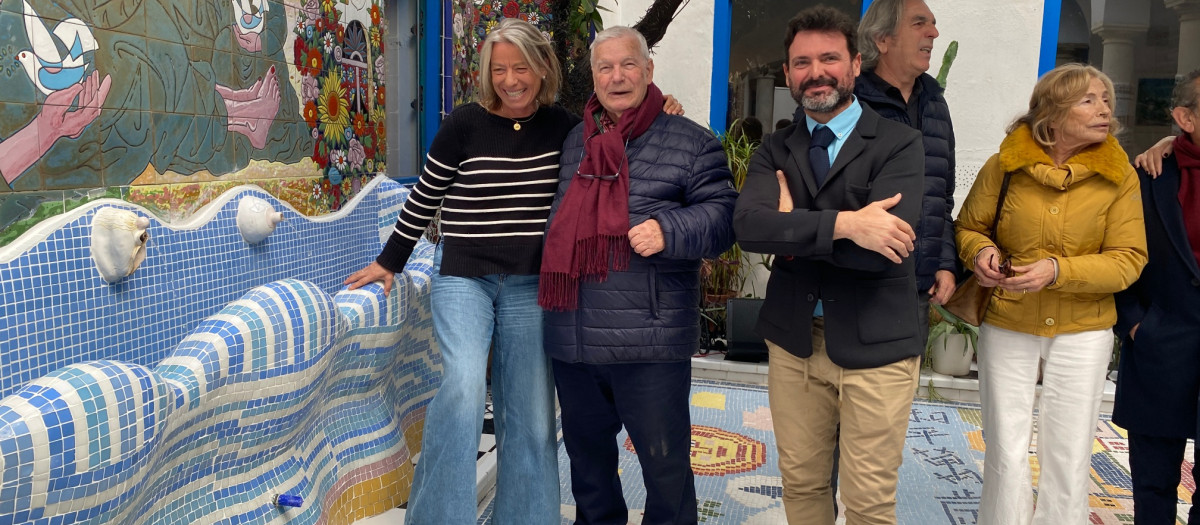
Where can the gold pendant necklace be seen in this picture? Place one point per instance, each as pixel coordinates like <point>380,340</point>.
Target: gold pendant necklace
<point>517,123</point>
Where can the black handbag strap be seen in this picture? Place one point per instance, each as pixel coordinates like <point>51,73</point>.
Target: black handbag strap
<point>1000,203</point>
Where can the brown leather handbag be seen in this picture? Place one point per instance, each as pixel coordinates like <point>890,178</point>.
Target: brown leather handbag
<point>970,299</point>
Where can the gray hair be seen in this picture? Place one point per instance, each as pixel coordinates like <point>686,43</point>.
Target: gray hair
<point>1186,91</point>
<point>878,22</point>
<point>536,50</point>
<point>616,32</point>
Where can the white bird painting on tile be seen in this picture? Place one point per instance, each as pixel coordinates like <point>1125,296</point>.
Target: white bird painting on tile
<point>57,59</point>
<point>249,14</point>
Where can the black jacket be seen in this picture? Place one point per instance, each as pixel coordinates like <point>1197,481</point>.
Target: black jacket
<point>651,312</point>
<point>935,232</point>
<point>1159,375</point>
<point>870,311</point>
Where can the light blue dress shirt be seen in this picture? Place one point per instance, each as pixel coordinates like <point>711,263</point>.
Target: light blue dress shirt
<point>841,126</point>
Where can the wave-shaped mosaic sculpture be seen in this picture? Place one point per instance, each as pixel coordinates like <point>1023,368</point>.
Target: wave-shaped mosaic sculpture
<point>56,309</point>
<point>286,390</point>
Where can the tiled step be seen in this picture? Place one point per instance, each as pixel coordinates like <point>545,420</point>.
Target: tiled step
<point>714,366</point>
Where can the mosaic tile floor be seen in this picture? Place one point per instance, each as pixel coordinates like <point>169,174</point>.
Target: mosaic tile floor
<point>738,482</point>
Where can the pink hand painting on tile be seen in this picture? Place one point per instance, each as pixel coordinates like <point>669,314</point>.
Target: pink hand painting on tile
<point>56,120</point>
<point>73,97</point>
<point>251,111</point>
<point>164,106</point>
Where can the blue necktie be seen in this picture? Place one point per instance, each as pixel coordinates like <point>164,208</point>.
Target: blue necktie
<point>818,152</point>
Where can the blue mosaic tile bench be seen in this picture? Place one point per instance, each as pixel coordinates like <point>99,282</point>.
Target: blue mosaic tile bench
<point>293,387</point>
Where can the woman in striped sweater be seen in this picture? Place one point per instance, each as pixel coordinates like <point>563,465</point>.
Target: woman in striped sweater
<point>492,170</point>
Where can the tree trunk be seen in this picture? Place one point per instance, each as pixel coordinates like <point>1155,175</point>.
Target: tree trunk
<point>654,24</point>
<point>575,64</point>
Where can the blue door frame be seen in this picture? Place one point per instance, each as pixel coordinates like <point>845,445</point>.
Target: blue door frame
<point>433,27</point>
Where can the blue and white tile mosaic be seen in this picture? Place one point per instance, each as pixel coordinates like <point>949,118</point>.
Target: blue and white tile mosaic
<point>56,310</point>
<point>217,376</point>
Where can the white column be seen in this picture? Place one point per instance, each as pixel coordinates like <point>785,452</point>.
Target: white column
<point>747,88</point>
<point>764,100</point>
<point>1189,34</point>
<point>1118,65</point>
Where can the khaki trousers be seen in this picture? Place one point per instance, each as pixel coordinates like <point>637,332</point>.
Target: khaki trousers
<point>809,399</point>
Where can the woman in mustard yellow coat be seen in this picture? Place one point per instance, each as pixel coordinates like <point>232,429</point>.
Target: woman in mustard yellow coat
<point>1071,229</point>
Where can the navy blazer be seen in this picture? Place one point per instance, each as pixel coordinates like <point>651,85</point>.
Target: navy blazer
<point>1159,372</point>
<point>869,302</point>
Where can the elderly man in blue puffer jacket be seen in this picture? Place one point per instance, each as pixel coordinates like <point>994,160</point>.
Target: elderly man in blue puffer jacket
<point>643,196</point>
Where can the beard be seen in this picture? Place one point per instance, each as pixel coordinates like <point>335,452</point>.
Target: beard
<point>840,96</point>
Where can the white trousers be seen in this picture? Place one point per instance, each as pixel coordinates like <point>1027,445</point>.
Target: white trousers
<point>1072,384</point>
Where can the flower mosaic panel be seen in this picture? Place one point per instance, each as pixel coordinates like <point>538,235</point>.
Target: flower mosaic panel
<point>473,19</point>
<point>339,56</point>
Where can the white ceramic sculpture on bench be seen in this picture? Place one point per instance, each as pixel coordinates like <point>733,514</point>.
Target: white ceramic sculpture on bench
<point>256,219</point>
<point>119,240</point>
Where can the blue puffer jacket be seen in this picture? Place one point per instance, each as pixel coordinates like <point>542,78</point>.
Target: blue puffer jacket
<point>650,313</point>
<point>935,232</point>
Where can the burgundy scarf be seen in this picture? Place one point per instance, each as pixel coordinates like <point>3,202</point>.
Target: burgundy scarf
<point>1187,155</point>
<point>591,227</point>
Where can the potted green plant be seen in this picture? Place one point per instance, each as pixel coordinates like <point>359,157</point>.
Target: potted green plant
<point>722,278</point>
<point>951,344</point>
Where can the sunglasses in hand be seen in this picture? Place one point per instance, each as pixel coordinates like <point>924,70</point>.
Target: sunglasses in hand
<point>1006,268</point>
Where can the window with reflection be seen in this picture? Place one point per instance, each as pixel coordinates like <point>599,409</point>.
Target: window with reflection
<point>1138,44</point>
<point>756,56</point>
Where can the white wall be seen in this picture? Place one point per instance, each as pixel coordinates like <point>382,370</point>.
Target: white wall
<point>683,59</point>
<point>993,76</point>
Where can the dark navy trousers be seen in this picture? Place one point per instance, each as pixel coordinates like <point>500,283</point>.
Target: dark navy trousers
<point>1155,465</point>
<point>651,401</point>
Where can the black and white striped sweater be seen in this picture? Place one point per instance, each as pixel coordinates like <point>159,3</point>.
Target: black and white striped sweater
<point>494,185</point>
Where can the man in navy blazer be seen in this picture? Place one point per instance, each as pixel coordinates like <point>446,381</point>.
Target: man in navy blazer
<point>1158,320</point>
<point>834,197</point>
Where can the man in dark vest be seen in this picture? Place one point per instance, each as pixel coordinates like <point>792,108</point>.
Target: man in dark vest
<point>896,39</point>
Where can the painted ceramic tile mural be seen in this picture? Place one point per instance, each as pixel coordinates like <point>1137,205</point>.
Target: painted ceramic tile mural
<point>215,377</point>
<point>98,94</point>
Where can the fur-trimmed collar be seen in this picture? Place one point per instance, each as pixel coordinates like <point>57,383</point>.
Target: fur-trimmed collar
<point>1019,150</point>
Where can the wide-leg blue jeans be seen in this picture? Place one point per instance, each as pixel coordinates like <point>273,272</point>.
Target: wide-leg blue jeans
<point>471,315</point>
